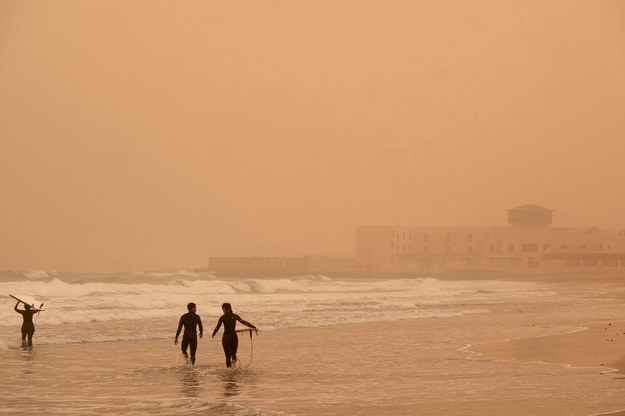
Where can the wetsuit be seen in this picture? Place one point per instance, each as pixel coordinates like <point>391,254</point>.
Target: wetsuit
<point>230,340</point>
<point>189,338</point>
<point>28,327</point>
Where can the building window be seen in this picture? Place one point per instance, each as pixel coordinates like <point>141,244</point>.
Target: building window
<point>480,246</point>
<point>510,248</point>
<point>392,233</point>
<point>425,249</point>
<point>572,262</point>
<point>545,247</point>
<point>392,245</point>
<point>470,249</point>
<point>448,237</point>
<point>529,248</point>
<point>470,237</point>
<point>491,248</point>
<point>448,250</point>
<point>583,246</point>
<point>591,263</point>
<point>609,263</point>
<point>564,246</point>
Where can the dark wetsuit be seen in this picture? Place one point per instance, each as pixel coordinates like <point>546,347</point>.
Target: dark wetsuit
<point>189,338</point>
<point>28,327</point>
<point>230,340</point>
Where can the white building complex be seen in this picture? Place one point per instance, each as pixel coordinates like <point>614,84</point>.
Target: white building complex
<point>528,245</point>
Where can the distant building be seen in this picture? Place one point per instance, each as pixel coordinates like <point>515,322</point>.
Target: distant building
<point>258,266</point>
<point>529,245</point>
<point>283,266</point>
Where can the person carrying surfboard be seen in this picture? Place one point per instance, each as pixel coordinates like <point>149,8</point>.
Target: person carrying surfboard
<point>28,327</point>
<point>189,339</point>
<point>230,340</point>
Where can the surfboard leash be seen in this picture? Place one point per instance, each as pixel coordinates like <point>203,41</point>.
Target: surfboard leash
<point>251,350</point>
<point>37,318</point>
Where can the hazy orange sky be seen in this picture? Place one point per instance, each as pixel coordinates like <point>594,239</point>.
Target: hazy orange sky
<point>152,134</point>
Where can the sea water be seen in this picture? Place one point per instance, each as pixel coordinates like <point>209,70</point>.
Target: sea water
<point>104,345</point>
<point>147,305</point>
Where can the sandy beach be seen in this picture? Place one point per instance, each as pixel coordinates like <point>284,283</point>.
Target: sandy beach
<point>597,346</point>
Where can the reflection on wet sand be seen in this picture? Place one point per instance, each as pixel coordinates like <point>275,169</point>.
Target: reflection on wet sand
<point>28,355</point>
<point>190,382</point>
<point>231,384</point>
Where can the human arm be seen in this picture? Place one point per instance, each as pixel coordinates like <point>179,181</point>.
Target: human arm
<point>17,310</point>
<point>199,324</point>
<point>245,322</point>
<point>178,331</point>
<point>217,327</point>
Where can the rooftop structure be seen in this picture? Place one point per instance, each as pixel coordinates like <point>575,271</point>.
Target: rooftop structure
<point>530,215</point>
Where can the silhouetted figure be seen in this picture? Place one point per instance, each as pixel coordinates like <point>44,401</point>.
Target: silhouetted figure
<point>28,327</point>
<point>230,340</point>
<point>189,339</point>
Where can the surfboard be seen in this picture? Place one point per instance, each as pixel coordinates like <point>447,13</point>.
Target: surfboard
<point>28,300</point>
<point>245,329</point>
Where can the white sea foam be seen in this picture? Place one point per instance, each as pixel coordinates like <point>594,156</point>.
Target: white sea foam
<point>270,303</point>
<point>37,274</point>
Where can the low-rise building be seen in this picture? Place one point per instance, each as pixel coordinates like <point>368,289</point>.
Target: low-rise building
<point>528,245</point>
<point>283,266</point>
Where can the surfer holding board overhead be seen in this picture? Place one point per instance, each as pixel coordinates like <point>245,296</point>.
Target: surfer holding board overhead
<point>28,327</point>
<point>230,340</point>
<point>189,339</point>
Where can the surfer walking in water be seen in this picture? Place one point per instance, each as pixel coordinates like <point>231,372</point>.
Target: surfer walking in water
<point>28,327</point>
<point>230,340</point>
<point>190,321</point>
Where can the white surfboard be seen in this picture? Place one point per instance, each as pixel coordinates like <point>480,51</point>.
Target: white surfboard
<point>28,300</point>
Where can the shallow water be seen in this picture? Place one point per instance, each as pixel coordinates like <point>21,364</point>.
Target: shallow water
<point>301,366</point>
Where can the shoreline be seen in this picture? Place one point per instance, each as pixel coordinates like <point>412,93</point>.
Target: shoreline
<point>575,324</point>
<point>600,346</point>
<point>597,346</point>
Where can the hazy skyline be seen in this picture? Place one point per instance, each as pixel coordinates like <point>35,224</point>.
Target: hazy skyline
<point>152,134</point>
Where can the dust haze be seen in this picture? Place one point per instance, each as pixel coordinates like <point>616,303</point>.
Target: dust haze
<point>152,134</point>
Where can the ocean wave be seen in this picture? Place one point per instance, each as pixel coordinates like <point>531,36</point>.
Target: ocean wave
<point>101,301</point>
<point>102,277</point>
<point>15,342</point>
<point>238,410</point>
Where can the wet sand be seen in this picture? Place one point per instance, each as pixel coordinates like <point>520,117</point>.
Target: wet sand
<point>394,368</point>
<point>597,346</point>
<point>601,346</point>
<point>451,366</point>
